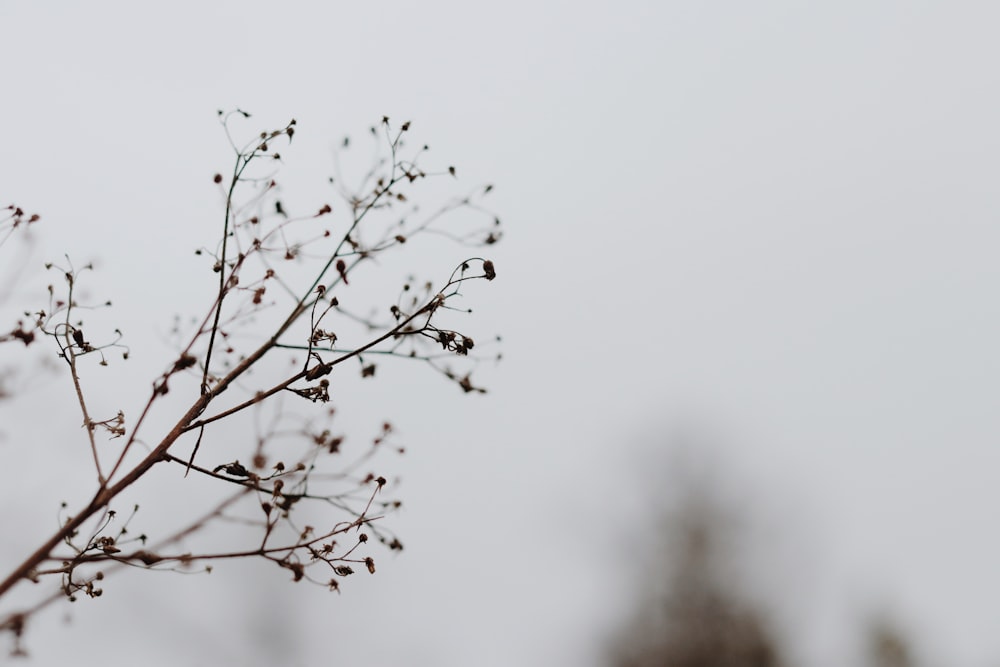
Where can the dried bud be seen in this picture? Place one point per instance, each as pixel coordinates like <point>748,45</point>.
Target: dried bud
<point>489,270</point>
<point>235,469</point>
<point>318,371</point>
<point>342,270</point>
<point>147,558</point>
<point>185,361</point>
<point>26,337</point>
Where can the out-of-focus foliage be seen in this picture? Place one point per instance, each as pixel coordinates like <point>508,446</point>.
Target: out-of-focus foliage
<point>695,607</point>
<point>692,616</point>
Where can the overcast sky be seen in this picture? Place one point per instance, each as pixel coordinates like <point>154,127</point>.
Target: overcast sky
<point>766,230</point>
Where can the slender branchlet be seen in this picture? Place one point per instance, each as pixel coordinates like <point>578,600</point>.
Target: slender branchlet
<point>292,307</point>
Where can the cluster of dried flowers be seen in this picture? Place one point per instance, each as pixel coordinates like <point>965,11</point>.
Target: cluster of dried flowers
<point>277,298</point>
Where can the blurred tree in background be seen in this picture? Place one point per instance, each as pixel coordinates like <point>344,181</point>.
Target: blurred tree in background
<point>694,610</point>
<point>693,615</point>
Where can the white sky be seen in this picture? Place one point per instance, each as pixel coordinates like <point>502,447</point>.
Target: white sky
<point>770,223</point>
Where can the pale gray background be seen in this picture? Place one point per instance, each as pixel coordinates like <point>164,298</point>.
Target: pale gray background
<point>770,224</point>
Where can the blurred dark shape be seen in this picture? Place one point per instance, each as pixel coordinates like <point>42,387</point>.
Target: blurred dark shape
<point>694,607</point>
<point>887,647</point>
<point>693,615</point>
